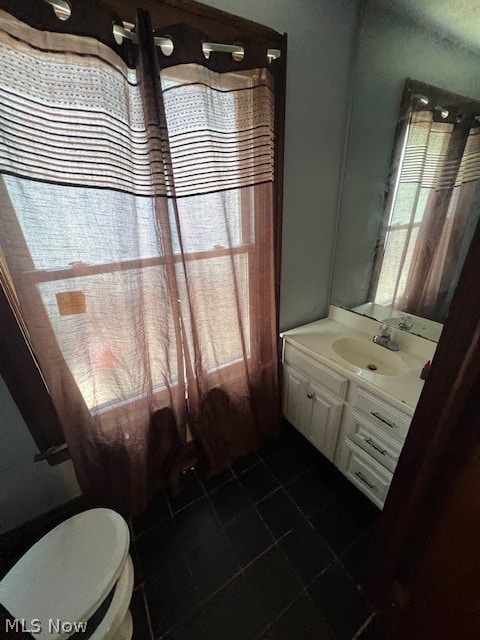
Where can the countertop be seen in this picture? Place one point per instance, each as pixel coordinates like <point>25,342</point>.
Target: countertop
<point>315,340</point>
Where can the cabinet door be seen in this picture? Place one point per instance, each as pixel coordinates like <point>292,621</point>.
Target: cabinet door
<point>297,407</point>
<point>325,421</point>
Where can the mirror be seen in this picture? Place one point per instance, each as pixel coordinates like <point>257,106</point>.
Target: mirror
<point>411,190</point>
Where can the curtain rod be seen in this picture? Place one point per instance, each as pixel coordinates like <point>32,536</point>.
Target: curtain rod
<point>208,47</point>
<point>63,11</point>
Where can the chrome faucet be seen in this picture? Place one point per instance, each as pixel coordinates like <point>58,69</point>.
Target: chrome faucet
<point>384,339</point>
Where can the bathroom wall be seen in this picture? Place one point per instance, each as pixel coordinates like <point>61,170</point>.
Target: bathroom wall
<point>27,489</point>
<point>320,34</point>
<point>393,46</point>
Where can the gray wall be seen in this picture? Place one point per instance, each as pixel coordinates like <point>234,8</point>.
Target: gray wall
<point>27,490</point>
<point>320,34</point>
<point>392,48</point>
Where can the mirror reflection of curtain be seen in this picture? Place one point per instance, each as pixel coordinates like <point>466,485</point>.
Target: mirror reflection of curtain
<point>138,230</point>
<point>434,212</point>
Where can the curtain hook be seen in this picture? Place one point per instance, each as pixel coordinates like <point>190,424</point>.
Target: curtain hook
<point>117,31</point>
<point>205,50</point>
<point>444,113</point>
<point>239,54</point>
<point>62,8</point>
<point>165,43</point>
<point>420,99</point>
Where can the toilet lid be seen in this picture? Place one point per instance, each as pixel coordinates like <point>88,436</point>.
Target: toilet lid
<point>67,574</point>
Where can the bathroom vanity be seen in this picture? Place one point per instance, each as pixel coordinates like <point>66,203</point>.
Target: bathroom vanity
<point>352,399</point>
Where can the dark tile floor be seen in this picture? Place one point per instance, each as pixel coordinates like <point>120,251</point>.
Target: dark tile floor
<point>272,549</point>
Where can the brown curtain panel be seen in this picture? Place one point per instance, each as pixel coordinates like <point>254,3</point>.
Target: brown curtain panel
<point>136,195</point>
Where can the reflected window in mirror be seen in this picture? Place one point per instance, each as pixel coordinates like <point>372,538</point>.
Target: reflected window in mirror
<point>432,204</point>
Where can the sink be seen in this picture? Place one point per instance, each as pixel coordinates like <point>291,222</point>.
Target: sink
<point>369,357</point>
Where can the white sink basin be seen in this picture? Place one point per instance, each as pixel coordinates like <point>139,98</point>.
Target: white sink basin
<point>369,357</point>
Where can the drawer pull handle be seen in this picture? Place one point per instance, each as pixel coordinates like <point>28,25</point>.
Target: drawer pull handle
<point>363,479</point>
<point>310,395</point>
<point>375,446</point>
<point>379,416</point>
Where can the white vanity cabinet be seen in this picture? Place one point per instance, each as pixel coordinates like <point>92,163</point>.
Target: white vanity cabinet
<point>361,432</point>
<point>313,399</point>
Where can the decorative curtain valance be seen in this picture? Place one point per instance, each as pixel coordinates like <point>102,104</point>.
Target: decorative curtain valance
<point>72,138</point>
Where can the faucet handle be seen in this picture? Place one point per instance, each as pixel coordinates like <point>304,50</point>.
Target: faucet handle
<point>385,330</point>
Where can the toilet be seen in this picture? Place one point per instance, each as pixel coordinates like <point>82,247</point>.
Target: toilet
<point>80,572</point>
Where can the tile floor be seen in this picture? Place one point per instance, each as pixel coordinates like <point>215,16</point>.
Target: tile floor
<point>271,549</point>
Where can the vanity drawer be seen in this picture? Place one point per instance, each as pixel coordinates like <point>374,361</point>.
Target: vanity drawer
<point>365,473</point>
<point>382,415</point>
<point>316,371</point>
<point>385,450</point>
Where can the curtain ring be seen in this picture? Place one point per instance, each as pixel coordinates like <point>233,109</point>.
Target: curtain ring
<point>62,8</point>
<point>238,56</point>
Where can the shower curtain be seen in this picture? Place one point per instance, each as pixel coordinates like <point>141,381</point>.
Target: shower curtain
<point>138,206</point>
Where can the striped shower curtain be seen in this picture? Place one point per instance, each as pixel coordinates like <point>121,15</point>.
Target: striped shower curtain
<point>138,229</point>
